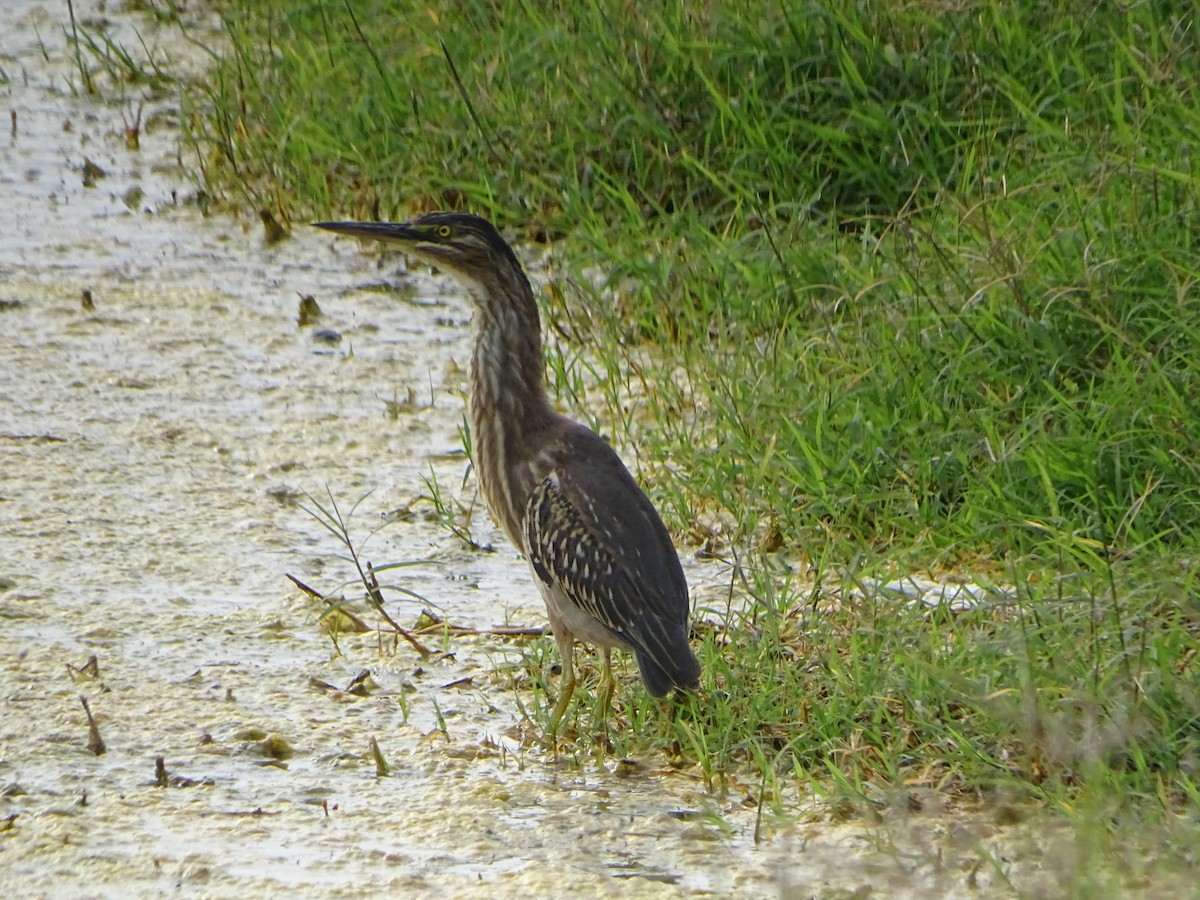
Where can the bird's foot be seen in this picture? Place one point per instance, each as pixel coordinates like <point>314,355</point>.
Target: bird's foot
<point>553,738</point>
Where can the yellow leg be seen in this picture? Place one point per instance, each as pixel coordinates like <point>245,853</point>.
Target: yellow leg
<point>607,687</point>
<point>566,649</point>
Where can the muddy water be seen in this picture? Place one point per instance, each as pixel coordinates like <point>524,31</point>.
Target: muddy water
<point>152,450</point>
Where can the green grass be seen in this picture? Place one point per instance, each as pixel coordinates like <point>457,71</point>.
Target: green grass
<point>883,287</point>
<point>106,68</point>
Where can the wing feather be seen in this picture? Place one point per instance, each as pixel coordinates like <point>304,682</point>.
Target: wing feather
<point>592,533</point>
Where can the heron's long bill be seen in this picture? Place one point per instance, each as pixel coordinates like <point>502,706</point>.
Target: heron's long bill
<point>400,232</point>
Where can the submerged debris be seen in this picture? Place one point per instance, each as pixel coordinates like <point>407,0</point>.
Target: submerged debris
<point>95,742</point>
<point>328,336</point>
<point>89,671</point>
<point>382,768</point>
<point>363,685</point>
<point>274,231</point>
<point>956,596</point>
<point>163,779</point>
<point>91,173</point>
<point>310,310</point>
<point>276,746</point>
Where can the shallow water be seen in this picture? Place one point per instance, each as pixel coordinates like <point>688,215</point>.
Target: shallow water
<point>152,451</point>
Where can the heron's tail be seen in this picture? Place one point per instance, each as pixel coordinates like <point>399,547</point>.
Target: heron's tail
<point>665,659</point>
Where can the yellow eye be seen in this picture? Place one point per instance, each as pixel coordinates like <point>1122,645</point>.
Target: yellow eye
<point>444,231</point>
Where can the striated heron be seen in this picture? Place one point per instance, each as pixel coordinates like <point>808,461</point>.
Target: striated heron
<point>599,552</point>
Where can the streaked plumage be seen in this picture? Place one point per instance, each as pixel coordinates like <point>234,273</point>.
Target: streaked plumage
<point>601,555</point>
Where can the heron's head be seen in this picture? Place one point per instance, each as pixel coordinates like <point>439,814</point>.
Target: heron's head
<point>461,244</point>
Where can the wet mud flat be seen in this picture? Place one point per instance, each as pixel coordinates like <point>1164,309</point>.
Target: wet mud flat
<point>156,444</point>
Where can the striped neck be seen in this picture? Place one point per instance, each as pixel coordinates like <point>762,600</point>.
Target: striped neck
<point>508,397</point>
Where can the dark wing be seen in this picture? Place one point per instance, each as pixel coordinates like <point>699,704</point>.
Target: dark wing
<point>591,532</point>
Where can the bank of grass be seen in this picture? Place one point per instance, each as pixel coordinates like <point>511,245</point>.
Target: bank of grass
<point>893,287</point>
